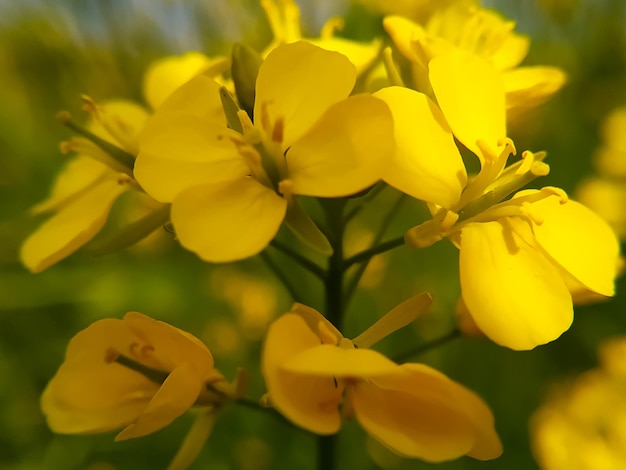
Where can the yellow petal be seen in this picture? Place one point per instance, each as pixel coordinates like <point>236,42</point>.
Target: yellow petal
<point>344,152</point>
<point>359,53</point>
<point>419,412</point>
<point>175,396</point>
<point>194,441</point>
<point>77,222</point>
<point>471,95</point>
<point>333,361</point>
<point>227,221</point>
<point>168,73</point>
<point>427,164</point>
<point>89,394</point>
<point>119,122</point>
<point>308,401</point>
<point>78,174</point>
<point>516,295</point>
<point>404,34</point>
<point>527,87</point>
<point>318,323</point>
<point>299,82</point>
<point>579,241</point>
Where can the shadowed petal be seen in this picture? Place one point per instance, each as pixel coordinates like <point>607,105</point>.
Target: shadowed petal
<point>227,221</point>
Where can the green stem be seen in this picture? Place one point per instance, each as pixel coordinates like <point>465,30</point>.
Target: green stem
<point>282,277</point>
<point>366,255</point>
<point>300,259</point>
<point>326,447</point>
<point>422,348</point>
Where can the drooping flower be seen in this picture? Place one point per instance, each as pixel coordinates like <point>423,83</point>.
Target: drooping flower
<point>85,191</point>
<point>138,374</point>
<point>536,242</point>
<point>484,33</point>
<point>231,190</point>
<point>315,376</point>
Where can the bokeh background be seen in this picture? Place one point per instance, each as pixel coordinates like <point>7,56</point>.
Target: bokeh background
<point>52,52</point>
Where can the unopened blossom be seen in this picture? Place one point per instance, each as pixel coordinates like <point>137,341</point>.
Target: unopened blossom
<point>231,189</point>
<point>135,374</point>
<point>85,191</point>
<point>523,261</point>
<point>484,33</point>
<point>316,378</point>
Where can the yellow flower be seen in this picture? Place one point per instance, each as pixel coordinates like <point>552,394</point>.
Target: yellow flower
<point>138,374</point>
<point>86,189</point>
<point>311,371</point>
<point>522,260</point>
<point>230,190</point>
<point>582,424</point>
<point>482,32</point>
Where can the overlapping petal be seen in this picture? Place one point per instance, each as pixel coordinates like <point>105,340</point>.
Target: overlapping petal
<point>516,295</point>
<point>579,241</point>
<point>527,87</point>
<point>427,164</point>
<point>344,152</point>
<point>298,82</point>
<point>227,221</point>
<point>472,100</point>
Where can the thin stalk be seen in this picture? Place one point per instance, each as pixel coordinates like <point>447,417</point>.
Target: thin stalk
<point>306,263</point>
<point>434,343</point>
<point>364,201</point>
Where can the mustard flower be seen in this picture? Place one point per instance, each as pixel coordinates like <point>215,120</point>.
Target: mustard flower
<point>522,261</point>
<point>485,33</point>
<point>231,190</point>
<point>138,374</point>
<point>314,376</point>
<point>84,192</point>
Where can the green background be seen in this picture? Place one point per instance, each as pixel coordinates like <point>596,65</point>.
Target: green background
<point>50,53</point>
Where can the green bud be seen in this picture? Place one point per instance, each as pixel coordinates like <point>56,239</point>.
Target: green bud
<point>245,68</point>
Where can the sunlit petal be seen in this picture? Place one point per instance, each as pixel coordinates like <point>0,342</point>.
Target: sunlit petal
<point>427,163</point>
<point>515,294</point>
<point>298,82</point>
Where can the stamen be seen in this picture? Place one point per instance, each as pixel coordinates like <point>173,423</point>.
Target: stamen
<point>111,355</point>
<point>331,26</point>
<point>326,335</point>
<point>115,126</point>
<point>279,130</point>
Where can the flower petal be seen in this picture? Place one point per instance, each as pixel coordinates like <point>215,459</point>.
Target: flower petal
<point>427,164</point>
<point>175,396</point>
<point>298,82</point>
<point>516,296</point>
<point>89,394</point>
<point>471,95</point>
<point>344,152</point>
<point>227,221</point>
<point>528,87</point>
<point>579,241</point>
<point>419,412</point>
<point>77,222</point>
<point>309,401</point>
<point>332,361</point>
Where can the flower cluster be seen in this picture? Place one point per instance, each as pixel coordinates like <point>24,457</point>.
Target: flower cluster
<point>233,151</point>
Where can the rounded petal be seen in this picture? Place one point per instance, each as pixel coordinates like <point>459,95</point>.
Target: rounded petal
<point>419,412</point>
<point>168,73</point>
<point>227,221</point>
<point>332,361</point>
<point>470,93</point>
<point>579,241</point>
<point>176,395</point>
<point>77,222</point>
<point>89,394</point>
<point>183,152</point>
<point>427,164</point>
<point>515,294</point>
<point>298,82</point>
<point>527,87</point>
<point>361,54</point>
<point>307,400</point>
<point>344,152</point>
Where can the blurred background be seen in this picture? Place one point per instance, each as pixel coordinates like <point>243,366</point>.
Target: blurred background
<point>52,52</point>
